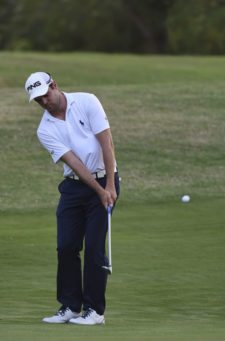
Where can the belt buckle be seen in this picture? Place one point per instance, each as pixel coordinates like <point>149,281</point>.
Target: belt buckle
<point>100,174</point>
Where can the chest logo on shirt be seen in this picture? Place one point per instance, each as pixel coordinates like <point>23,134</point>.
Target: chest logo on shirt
<point>82,123</point>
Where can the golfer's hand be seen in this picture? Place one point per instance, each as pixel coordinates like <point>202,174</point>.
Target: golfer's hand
<point>106,198</point>
<point>112,191</point>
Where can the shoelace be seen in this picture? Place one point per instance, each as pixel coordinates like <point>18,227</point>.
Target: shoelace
<point>87,313</point>
<point>62,311</point>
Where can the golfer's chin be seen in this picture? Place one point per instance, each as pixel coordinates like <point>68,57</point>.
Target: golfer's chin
<point>50,109</point>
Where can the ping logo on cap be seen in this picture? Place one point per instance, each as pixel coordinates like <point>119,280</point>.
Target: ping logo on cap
<point>30,87</point>
<point>37,84</point>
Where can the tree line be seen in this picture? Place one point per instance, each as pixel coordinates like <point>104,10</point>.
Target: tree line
<point>137,26</point>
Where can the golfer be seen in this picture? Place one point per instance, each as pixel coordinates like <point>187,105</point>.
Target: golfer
<point>75,130</point>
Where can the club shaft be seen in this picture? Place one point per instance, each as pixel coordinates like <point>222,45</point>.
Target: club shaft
<point>109,240</point>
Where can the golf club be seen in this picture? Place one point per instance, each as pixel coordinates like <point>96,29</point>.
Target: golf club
<point>109,267</point>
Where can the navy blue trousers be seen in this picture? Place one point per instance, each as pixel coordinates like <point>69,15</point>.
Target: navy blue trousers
<point>81,221</point>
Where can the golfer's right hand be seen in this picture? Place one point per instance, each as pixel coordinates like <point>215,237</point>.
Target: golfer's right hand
<point>106,198</point>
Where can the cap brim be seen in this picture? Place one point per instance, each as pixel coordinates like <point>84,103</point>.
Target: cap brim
<point>41,91</point>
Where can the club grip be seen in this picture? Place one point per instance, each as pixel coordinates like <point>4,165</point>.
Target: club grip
<point>109,209</point>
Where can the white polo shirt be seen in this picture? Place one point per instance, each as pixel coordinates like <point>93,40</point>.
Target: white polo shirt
<point>85,117</point>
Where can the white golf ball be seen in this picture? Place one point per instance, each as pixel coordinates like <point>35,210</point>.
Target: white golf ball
<point>185,198</point>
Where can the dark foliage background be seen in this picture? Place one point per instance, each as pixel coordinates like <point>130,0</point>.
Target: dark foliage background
<point>137,26</point>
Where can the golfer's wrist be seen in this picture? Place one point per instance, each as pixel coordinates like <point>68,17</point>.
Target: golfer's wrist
<point>99,189</point>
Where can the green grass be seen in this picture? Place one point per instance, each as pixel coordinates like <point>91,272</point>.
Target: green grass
<point>166,115</point>
<point>167,119</point>
<point>167,282</point>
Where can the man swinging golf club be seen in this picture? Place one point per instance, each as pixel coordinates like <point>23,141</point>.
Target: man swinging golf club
<point>75,130</point>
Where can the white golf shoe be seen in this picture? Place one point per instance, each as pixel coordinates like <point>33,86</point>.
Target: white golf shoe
<point>89,317</point>
<point>63,315</point>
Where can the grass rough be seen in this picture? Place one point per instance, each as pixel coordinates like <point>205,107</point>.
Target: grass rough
<point>166,115</point>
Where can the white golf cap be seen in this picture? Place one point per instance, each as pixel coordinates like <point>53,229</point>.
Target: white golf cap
<point>37,84</point>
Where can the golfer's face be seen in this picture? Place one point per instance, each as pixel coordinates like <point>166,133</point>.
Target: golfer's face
<point>49,101</point>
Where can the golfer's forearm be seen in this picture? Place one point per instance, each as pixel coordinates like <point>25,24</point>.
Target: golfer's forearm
<point>81,171</point>
<point>109,166</point>
<point>105,139</point>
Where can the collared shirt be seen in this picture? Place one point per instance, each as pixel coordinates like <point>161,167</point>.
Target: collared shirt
<point>85,117</point>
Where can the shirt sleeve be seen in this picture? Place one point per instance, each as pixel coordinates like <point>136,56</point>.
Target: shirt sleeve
<point>96,115</point>
<point>53,146</point>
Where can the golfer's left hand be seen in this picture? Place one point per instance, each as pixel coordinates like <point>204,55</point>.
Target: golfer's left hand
<point>112,191</point>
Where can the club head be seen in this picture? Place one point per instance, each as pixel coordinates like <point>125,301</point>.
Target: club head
<point>108,269</point>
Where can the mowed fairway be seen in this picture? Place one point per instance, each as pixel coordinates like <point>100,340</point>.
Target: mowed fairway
<point>167,119</point>
<point>167,282</point>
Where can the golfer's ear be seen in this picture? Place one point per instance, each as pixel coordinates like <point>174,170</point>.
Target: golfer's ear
<point>53,85</point>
